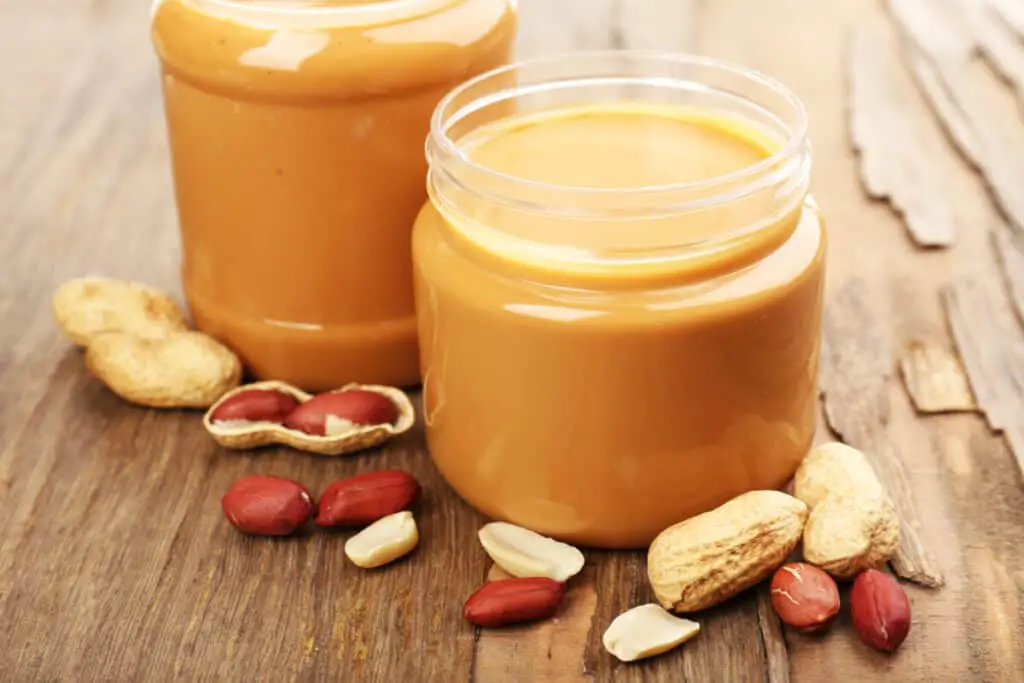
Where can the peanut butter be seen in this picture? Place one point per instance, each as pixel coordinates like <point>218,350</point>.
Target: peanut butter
<point>296,132</point>
<point>583,378</point>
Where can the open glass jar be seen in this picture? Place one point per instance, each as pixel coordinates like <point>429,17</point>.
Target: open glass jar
<point>619,289</point>
<point>296,134</point>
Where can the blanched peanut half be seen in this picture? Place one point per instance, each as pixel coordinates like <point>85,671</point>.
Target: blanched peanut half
<point>384,541</point>
<point>646,631</point>
<point>525,554</point>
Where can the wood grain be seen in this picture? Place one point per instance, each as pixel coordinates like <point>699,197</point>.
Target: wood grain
<point>549,651</point>
<point>976,108</point>
<point>115,564</point>
<point>992,345</point>
<point>1011,12</point>
<point>935,379</point>
<point>979,112</point>
<point>998,43</point>
<point>899,161</point>
<point>775,652</point>
<point>1009,250</point>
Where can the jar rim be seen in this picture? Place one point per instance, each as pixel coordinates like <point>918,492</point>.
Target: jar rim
<point>795,139</point>
<point>362,13</point>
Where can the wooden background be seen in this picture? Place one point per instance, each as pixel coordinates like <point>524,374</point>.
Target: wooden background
<point>115,563</point>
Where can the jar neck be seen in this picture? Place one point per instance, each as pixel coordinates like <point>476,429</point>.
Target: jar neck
<point>674,230</point>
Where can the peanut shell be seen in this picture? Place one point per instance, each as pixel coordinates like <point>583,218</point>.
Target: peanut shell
<point>834,468</point>
<point>182,370</point>
<point>846,535</point>
<point>853,524</point>
<point>90,306</point>
<point>244,436</point>
<point>709,558</point>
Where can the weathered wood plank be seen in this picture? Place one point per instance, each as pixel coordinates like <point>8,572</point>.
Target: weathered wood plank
<point>1011,12</point>
<point>998,42</point>
<point>857,366</point>
<point>549,28</point>
<point>976,108</point>
<point>641,24</point>
<point>620,581</point>
<point>992,345</point>
<point>935,379</point>
<point>731,645</point>
<point>1009,249</point>
<point>980,114</point>
<point>900,161</point>
<point>776,654</point>
<point>553,650</point>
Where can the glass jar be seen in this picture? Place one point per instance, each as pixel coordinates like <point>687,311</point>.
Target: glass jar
<point>619,289</point>
<point>296,135</point>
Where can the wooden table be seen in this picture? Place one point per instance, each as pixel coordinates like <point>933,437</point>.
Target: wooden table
<point>116,564</point>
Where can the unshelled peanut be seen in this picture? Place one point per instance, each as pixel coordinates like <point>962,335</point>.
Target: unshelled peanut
<point>853,525</point>
<point>704,560</point>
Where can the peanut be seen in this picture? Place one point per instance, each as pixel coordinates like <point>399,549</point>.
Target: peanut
<point>182,370</point>
<point>267,506</point>
<point>90,306</point>
<point>646,631</point>
<point>384,541</point>
<point>340,412</point>
<point>255,405</point>
<point>880,610</point>
<point>524,553</point>
<point>804,597</point>
<point>512,601</point>
<point>365,498</point>
<point>853,525</point>
<point>706,559</point>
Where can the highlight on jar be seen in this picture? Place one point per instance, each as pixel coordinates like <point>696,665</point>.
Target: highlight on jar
<point>296,133</point>
<point>619,292</point>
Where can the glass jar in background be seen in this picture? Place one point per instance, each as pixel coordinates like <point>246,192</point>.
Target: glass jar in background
<point>619,287</point>
<point>296,134</point>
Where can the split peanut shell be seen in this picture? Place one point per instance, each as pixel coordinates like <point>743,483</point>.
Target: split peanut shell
<point>90,306</point>
<point>244,435</point>
<point>182,370</point>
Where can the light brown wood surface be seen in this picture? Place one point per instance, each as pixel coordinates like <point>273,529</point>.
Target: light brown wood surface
<point>115,562</point>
